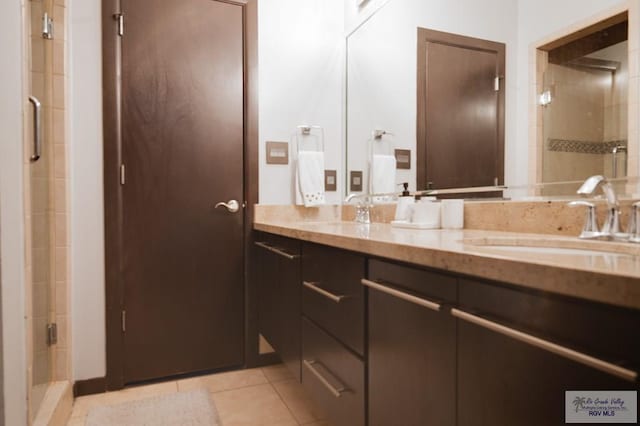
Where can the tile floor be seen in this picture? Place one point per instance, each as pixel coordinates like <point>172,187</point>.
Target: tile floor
<point>268,396</point>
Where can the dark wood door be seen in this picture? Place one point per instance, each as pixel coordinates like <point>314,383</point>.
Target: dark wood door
<point>412,349</point>
<point>460,111</point>
<point>182,142</point>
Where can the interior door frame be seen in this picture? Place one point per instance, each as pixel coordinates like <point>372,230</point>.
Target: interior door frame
<point>431,36</point>
<point>112,109</point>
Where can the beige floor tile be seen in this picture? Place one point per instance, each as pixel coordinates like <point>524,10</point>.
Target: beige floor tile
<point>252,406</point>
<point>224,381</point>
<point>300,405</point>
<point>76,421</point>
<point>277,373</point>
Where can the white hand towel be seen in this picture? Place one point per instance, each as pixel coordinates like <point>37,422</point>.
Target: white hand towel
<point>310,177</point>
<point>383,174</point>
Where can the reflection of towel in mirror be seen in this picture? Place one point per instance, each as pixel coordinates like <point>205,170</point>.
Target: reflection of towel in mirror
<point>383,174</point>
<point>310,178</point>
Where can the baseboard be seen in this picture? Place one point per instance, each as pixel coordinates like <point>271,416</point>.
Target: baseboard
<point>90,386</point>
<point>55,409</point>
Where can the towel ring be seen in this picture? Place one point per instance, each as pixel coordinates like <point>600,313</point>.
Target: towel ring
<point>306,131</point>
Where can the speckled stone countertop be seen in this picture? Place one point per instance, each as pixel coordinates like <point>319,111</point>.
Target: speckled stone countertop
<point>612,278</point>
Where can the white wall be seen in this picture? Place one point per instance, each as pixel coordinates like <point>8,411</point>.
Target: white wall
<point>87,207</point>
<point>537,19</point>
<point>382,68</point>
<point>12,214</point>
<point>301,63</point>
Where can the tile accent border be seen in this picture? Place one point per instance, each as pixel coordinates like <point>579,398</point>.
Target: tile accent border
<point>584,147</point>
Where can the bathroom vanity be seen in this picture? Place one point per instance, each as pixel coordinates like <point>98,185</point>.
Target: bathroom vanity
<point>387,326</point>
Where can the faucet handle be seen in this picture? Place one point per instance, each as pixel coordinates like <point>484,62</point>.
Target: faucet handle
<point>633,229</point>
<point>590,228</point>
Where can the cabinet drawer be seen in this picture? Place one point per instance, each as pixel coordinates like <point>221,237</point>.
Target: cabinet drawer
<point>599,330</point>
<point>333,376</point>
<point>332,295</point>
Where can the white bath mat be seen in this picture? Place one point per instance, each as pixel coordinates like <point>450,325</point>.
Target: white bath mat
<point>179,409</point>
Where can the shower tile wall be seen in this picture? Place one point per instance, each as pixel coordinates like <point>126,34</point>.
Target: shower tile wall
<point>46,207</point>
<point>576,113</point>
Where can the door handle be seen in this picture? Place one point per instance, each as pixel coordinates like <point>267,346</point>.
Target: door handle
<point>232,205</point>
<point>37,128</point>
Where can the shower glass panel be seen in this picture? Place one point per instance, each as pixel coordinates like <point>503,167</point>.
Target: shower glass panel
<point>584,108</point>
<point>40,214</point>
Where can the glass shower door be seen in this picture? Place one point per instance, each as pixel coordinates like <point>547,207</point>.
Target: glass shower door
<point>40,214</point>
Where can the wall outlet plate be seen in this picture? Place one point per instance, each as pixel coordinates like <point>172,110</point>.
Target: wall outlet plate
<point>330,180</point>
<point>403,159</point>
<point>277,153</point>
<point>355,181</point>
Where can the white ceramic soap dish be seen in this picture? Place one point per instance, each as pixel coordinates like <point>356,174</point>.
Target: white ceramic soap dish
<point>410,225</point>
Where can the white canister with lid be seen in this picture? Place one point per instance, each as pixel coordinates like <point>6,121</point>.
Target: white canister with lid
<point>452,214</point>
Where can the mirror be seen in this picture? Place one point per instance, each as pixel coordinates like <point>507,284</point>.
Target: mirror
<point>543,142</point>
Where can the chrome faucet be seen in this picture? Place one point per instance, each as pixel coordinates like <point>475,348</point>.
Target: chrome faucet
<point>611,227</point>
<point>363,207</point>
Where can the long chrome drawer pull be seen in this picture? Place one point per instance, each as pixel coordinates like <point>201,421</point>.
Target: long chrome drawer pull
<point>402,295</point>
<point>585,359</point>
<point>325,382</point>
<point>277,251</point>
<point>325,293</point>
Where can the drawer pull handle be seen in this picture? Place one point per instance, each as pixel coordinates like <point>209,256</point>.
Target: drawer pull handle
<point>325,293</point>
<point>325,382</point>
<point>565,352</point>
<point>402,295</point>
<point>276,250</point>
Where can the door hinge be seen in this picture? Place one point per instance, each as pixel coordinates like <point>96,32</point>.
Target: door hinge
<point>123,178</point>
<point>119,17</point>
<point>496,84</point>
<point>47,27</point>
<point>52,334</point>
<point>124,321</point>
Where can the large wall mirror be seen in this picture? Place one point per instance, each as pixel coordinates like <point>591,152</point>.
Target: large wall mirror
<point>527,94</point>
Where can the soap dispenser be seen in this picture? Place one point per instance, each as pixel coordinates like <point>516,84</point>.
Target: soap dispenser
<point>404,203</point>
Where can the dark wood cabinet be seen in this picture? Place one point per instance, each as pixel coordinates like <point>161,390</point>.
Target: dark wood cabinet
<point>333,376</point>
<point>504,379</point>
<point>332,295</point>
<point>279,297</point>
<point>412,346</point>
<point>382,343</point>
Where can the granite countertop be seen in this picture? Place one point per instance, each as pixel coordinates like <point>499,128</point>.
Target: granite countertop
<point>612,278</point>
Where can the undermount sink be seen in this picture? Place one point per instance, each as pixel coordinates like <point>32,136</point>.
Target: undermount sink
<point>552,246</point>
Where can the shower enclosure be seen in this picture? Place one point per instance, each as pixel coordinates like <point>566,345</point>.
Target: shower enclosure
<point>40,215</point>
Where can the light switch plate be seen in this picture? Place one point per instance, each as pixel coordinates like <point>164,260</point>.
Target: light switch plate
<point>403,159</point>
<point>330,180</point>
<point>355,181</point>
<point>277,153</point>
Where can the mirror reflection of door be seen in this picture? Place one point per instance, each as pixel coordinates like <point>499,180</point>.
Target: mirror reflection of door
<point>583,104</point>
<point>460,124</point>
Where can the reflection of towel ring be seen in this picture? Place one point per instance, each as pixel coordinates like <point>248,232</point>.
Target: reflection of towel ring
<point>378,133</point>
<point>378,136</point>
<point>307,131</point>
